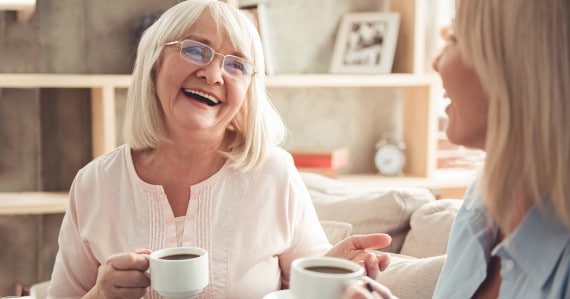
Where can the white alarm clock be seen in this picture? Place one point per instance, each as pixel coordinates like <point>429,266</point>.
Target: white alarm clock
<point>390,158</point>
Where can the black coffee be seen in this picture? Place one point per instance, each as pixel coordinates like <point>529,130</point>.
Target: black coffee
<point>181,256</point>
<point>329,269</point>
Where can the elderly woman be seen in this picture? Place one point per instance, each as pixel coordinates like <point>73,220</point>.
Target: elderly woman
<point>201,167</point>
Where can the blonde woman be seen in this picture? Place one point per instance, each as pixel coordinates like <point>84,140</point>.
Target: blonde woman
<point>201,167</point>
<point>506,70</point>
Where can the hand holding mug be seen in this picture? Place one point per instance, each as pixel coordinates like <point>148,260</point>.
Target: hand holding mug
<point>368,289</point>
<point>122,276</point>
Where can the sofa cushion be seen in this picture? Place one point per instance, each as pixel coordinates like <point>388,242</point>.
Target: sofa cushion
<point>430,227</point>
<point>412,278</point>
<point>378,210</point>
<point>336,230</point>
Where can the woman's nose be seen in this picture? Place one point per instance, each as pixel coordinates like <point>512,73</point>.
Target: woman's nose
<point>435,62</point>
<point>213,71</point>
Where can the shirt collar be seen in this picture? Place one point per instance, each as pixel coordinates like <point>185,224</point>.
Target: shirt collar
<point>537,244</point>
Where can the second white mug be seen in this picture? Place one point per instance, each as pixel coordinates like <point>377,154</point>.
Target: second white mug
<point>322,277</point>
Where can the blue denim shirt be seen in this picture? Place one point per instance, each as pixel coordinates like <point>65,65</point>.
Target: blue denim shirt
<point>535,259</point>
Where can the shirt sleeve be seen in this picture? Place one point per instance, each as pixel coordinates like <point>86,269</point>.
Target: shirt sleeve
<point>308,236</point>
<point>75,268</point>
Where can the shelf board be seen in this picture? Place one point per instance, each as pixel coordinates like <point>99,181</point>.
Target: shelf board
<point>63,81</point>
<point>441,179</point>
<point>33,203</point>
<point>287,81</point>
<point>341,80</point>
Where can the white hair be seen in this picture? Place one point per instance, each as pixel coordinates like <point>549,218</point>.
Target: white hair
<point>257,124</point>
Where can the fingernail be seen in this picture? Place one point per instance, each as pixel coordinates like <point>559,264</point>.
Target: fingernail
<point>369,287</point>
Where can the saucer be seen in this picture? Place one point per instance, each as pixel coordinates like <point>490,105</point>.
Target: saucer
<point>281,294</point>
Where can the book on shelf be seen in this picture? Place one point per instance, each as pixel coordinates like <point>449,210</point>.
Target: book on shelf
<point>321,158</point>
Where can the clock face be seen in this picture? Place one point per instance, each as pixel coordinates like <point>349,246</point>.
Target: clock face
<point>390,159</point>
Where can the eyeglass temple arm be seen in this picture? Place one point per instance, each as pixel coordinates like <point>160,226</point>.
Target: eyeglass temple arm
<point>174,43</point>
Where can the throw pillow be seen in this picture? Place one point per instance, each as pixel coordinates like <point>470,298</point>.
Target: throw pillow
<point>336,231</point>
<point>430,227</point>
<point>368,210</point>
<point>412,278</point>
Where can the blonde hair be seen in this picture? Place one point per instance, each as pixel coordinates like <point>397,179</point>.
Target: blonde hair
<point>521,52</point>
<point>257,124</point>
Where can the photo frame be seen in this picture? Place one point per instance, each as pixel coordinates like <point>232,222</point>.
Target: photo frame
<point>366,43</point>
<point>256,10</point>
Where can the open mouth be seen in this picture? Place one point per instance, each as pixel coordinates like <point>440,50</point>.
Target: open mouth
<point>201,97</point>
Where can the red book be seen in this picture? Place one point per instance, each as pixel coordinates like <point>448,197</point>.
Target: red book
<point>321,158</point>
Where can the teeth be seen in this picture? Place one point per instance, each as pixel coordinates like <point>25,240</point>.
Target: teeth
<point>205,95</point>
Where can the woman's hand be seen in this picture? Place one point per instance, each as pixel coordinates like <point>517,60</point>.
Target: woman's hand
<point>355,247</point>
<point>122,276</point>
<point>369,289</point>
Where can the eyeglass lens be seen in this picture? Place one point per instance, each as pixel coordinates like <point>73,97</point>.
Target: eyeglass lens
<point>201,54</point>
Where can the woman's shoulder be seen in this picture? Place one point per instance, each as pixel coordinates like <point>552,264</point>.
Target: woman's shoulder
<point>112,161</point>
<point>277,157</point>
<point>279,152</point>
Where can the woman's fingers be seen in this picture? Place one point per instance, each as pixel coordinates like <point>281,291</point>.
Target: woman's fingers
<point>123,276</point>
<point>371,241</point>
<point>383,260</point>
<point>368,289</point>
<point>128,261</point>
<point>377,289</point>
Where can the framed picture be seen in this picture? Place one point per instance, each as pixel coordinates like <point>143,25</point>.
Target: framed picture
<point>256,10</point>
<point>366,43</point>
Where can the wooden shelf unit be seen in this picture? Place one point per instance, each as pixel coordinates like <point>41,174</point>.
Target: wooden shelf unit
<point>418,101</point>
<point>103,123</point>
<point>419,91</point>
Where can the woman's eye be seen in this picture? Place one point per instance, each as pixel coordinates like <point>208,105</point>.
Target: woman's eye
<point>196,53</point>
<point>236,65</point>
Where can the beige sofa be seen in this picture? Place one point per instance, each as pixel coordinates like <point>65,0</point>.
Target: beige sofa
<point>418,223</point>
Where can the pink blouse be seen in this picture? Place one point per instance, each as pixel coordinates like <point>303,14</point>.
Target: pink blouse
<point>253,225</point>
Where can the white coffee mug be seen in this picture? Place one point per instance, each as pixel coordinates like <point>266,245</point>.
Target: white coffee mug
<point>322,277</point>
<point>179,272</point>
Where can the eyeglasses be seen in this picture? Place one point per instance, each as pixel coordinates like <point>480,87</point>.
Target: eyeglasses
<point>201,54</point>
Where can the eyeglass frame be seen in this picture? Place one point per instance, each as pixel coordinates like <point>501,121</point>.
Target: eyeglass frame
<point>180,43</point>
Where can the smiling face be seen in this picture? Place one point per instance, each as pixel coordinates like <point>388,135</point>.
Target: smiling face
<point>194,98</point>
<point>468,109</point>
